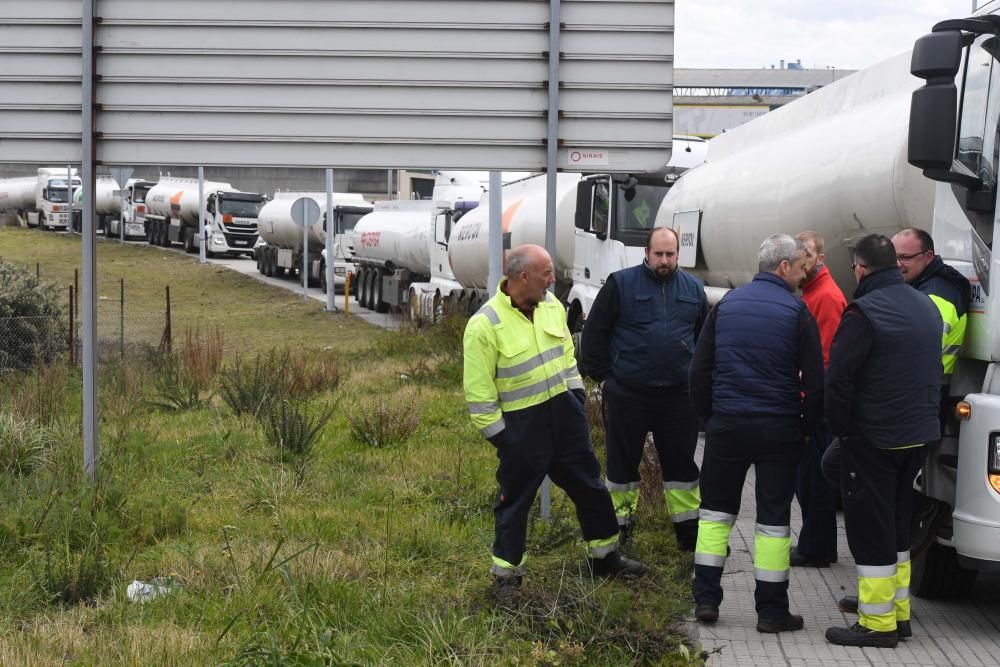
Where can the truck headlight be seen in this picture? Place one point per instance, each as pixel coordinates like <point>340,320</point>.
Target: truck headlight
<point>219,239</point>
<point>993,462</point>
<point>339,270</point>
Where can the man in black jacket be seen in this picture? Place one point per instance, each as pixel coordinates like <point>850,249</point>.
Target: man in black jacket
<point>757,378</point>
<point>882,389</point>
<point>638,343</point>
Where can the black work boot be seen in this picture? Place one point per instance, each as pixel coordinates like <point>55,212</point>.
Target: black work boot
<point>787,624</point>
<point>707,613</point>
<point>859,635</point>
<point>903,629</point>
<point>615,564</point>
<point>848,604</point>
<point>507,590</point>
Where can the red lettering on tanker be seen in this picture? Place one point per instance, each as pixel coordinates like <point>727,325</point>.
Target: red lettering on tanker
<point>370,239</point>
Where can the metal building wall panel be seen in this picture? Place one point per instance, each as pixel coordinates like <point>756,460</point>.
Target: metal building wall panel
<point>446,83</point>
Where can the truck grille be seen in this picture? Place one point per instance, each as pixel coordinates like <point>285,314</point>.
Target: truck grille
<point>240,240</point>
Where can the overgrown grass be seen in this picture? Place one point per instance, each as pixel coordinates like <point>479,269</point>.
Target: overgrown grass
<point>379,555</point>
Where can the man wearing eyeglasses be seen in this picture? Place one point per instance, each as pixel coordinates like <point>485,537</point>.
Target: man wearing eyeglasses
<point>948,289</point>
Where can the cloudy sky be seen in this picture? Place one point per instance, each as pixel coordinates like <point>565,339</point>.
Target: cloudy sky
<point>845,34</point>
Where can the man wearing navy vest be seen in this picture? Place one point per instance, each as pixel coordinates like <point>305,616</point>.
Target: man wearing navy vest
<point>638,342</point>
<point>882,392</point>
<point>757,380</point>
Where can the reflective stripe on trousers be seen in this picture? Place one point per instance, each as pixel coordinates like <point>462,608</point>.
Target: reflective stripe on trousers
<point>771,553</point>
<point>683,500</point>
<point>902,601</point>
<point>713,538</point>
<point>876,597</point>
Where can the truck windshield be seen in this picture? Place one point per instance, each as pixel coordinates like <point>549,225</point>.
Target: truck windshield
<point>57,194</point>
<point>639,212</point>
<point>240,208</point>
<point>348,221</point>
<point>139,193</point>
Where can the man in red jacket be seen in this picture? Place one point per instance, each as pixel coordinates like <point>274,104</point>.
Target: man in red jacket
<point>818,538</point>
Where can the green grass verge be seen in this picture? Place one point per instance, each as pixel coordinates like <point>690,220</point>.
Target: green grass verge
<point>360,555</point>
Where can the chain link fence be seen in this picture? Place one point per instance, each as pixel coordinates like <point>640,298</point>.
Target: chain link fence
<point>26,342</point>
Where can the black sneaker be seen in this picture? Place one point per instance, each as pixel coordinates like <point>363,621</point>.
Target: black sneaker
<point>707,613</point>
<point>798,559</point>
<point>787,624</point>
<point>848,604</point>
<point>615,564</point>
<point>859,635</point>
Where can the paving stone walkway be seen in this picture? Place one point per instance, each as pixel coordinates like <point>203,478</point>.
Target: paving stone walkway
<point>962,632</point>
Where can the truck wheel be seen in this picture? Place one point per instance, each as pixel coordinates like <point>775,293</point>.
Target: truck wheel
<point>189,242</point>
<point>412,311</point>
<point>41,222</point>
<point>322,276</point>
<point>938,574</point>
<point>279,271</point>
<point>380,305</point>
<point>357,281</point>
<point>269,264</point>
<point>369,301</point>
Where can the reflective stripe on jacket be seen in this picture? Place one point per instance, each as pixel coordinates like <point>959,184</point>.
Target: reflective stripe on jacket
<point>512,363</point>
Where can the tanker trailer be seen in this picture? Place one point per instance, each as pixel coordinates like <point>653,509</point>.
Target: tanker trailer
<point>401,248</point>
<point>833,161</point>
<point>16,196</point>
<point>107,204</point>
<point>281,240</point>
<point>230,216</point>
<point>836,161</point>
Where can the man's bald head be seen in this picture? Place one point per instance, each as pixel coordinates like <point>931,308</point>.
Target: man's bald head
<point>529,273</point>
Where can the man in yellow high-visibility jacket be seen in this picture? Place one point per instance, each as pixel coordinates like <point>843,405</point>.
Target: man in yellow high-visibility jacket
<point>525,395</point>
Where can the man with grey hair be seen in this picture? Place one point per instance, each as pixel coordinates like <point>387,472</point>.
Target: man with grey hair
<point>525,395</point>
<point>757,381</point>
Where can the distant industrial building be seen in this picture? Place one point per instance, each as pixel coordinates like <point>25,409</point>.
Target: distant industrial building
<point>708,102</point>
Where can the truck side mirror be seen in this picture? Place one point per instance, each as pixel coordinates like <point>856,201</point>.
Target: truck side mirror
<point>934,107</point>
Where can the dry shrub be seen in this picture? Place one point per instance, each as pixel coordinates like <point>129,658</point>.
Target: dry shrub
<point>40,395</point>
<point>308,374</point>
<point>384,421</point>
<point>201,358</point>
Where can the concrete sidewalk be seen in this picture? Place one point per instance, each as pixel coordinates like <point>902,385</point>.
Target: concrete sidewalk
<point>965,632</point>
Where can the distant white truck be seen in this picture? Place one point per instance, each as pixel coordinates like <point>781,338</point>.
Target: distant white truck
<point>280,247</point>
<point>133,209</point>
<point>230,216</point>
<point>51,209</point>
<point>107,204</point>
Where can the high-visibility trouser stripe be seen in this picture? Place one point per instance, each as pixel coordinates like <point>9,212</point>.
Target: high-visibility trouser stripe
<point>531,364</point>
<point>490,314</point>
<point>771,552</point>
<point>713,537</point>
<point>876,597</point>
<point>539,387</point>
<point>626,500</point>
<point>494,428</point>
<point>947,328</point>
<point>683,500</point>
<point>601,548</point>
<point>902,600</point>
<point>502,568</point>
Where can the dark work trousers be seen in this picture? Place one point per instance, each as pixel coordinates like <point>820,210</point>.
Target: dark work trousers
<point>818,537</point>
<point>549,439</point>
<point>728,456</point>
<point>877,487</point>
<point>631,413</point>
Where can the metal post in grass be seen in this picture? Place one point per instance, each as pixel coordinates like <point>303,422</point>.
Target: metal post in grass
<point>91,445</point>
<point>121,321</point>
<point>38,272</point>
<point>331,231</point>
<point>203,246</point>
<point>69,333</point>
<point>167,332</point>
